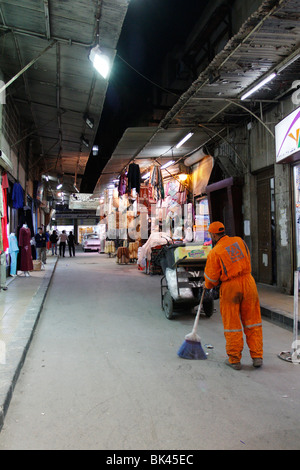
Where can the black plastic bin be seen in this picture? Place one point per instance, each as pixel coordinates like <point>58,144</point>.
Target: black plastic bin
<point>189,274</point>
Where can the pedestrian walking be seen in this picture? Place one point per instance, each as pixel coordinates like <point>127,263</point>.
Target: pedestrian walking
<point>54,240</point>
<point>71,243</point>
<point>229,263</point>
<point>62,243</point>
<point>47,238</point>
<point>40,244</point>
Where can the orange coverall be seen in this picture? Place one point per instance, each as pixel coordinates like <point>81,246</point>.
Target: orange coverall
<point>229,263</point>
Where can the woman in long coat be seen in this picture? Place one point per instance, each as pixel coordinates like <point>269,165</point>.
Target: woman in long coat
<point>25,249</point>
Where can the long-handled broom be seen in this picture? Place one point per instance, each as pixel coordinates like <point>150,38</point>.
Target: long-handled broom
<point>191,347</point>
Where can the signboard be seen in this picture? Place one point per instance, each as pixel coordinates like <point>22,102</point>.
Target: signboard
<point>83,201</point>
<point>287,138</point>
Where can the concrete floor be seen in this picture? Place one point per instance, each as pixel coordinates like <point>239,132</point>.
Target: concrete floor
<point>102,372</point>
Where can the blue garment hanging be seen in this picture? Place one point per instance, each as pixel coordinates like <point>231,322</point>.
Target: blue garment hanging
<point>13,250</point>
<point>17,196</point>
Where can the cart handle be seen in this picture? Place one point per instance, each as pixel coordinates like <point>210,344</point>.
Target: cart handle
<point>178,261</point>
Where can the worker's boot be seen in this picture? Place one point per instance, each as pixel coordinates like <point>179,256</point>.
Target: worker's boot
<point>234,365</point>
<point>257,362</point>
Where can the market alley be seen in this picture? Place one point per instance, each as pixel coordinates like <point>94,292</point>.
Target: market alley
<point>102,372</point>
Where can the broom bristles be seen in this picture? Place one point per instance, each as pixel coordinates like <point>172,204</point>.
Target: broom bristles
<point>191,350</point>
<point>191,347</point>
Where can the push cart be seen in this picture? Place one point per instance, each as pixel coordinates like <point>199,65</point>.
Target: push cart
<point>181,285</point>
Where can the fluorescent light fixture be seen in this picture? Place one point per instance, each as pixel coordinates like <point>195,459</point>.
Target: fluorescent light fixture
<point>146,176</point>
<point>259,85</point>
<point>59,186</point>
<point>187,137</point>
<point>89,121</point>
<point>166,165</point>
<point>84,141</point>
<point>100,61</point>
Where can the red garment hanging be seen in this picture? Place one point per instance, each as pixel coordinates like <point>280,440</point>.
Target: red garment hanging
<point>4,217</point>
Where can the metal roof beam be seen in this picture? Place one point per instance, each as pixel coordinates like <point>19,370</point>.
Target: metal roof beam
<point>34,34</point>
<point>26,67</point>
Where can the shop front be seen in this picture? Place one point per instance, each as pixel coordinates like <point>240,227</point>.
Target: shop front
<point>167,204</point>
<point>287,135</point>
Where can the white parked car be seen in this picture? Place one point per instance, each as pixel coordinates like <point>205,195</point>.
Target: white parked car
<point>91,242</point>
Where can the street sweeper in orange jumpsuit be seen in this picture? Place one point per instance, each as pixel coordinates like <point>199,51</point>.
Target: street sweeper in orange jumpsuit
<point>229,263</point>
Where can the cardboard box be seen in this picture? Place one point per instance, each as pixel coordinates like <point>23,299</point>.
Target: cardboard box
<point>37,265</point>
<point>192,252</point>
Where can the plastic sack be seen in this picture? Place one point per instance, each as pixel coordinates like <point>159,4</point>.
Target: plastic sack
<point>184,293</point>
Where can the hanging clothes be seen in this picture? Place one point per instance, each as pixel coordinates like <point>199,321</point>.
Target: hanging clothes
<point>157,183</point>
<point>17,196</point>
<point>25,217</point>
<point>122,184</point>
<point>4,186</point>
<point>182,194</point>
<point>134,177</point>
<point>13,250</point>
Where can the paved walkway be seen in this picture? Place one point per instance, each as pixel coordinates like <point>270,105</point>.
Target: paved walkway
<point>21,305</point>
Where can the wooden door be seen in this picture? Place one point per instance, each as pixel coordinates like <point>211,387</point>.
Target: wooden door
<point>265,255</point>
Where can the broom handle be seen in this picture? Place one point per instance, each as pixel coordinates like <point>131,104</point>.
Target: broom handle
<point>198,313</point>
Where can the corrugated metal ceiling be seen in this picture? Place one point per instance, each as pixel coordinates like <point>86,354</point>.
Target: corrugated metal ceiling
<point>62,85</point>
<point>265,42</point>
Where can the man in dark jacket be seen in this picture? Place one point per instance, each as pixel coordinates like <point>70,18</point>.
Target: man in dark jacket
<point>54,240</point>
<point>40,243</point>
<point>71,244</point>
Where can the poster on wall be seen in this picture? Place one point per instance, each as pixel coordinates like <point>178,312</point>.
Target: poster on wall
<point>297,211</point>
<point>287,138</point>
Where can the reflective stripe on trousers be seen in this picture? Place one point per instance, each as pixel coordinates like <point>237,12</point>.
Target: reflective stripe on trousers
<point>240,310</point>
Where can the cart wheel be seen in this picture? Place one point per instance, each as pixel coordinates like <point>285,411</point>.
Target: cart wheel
<point>168,305</point>
<point>208,307</point>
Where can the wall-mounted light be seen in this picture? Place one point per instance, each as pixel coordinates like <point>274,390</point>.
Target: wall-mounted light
<point>95,150</point>
<point>183,177</point>
<point>89,121</point>
<point>84,141</point>
<point>100,61</point>
<point>259,85</point>
<point>187,137</point>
